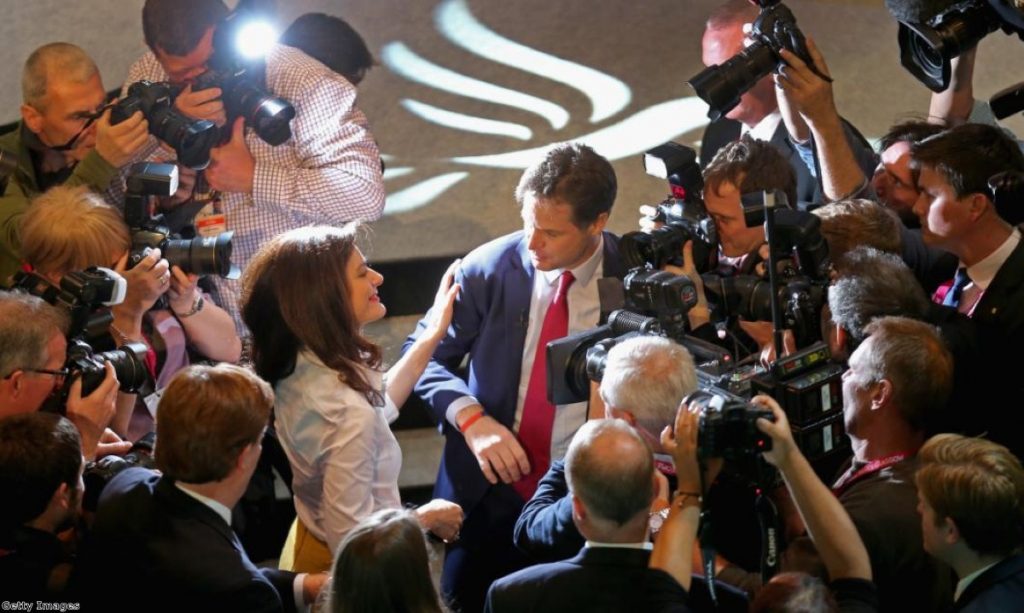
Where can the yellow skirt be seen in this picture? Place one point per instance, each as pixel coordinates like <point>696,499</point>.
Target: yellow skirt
<point>303,552</point>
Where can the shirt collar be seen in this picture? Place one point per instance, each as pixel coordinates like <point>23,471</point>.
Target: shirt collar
<point>963,584</point>
<point>582,273</point>
<point>218,508</point>
<point>646,545</point>
<point>983,272</point>
<point>765,129</point>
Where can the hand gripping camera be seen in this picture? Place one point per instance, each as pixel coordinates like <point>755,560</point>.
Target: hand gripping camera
<point>201,255</point>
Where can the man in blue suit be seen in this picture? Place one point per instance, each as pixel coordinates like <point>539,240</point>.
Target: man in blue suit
<point>514,291</point>
<point>167,538</point>
<point>969,496</point>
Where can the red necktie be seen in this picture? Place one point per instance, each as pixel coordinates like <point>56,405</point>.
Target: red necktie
<point>539,414</point>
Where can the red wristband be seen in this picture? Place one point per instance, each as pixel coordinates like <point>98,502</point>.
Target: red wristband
<point>469,422</point>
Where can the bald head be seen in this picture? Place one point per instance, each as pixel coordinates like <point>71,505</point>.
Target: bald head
<point>610,469</point>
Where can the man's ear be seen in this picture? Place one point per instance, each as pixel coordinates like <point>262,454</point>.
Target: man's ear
<point>977,204</point>
<point>579,511</point>
<point>882,394</point>
<point>15,383</point>
<point>32,117</point>
<point>625,416</point>
<point>951,533</point>
<point>598,226</point>
<point>62,497</point>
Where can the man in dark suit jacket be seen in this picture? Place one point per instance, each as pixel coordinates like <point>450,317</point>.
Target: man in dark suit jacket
<point>958,214</point>
<point>612,481</point>
<point>645,379</point>
<point>970,492</point>
<point>506,287</point>
<point>167,540</point>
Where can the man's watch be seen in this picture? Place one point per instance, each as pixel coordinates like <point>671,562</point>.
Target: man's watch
<point>657,520</point>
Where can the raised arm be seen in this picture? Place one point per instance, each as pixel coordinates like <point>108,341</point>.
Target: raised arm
<point>828,523</point>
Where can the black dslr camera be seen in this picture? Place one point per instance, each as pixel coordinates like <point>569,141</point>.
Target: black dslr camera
<point>82,294</point>
<point>192,139</point>
<point>200,255</point>
<point>242,86</point>
<point>774,30</point>
<point>727,427</point>
<point>682,213</point>
<point>97,474</point>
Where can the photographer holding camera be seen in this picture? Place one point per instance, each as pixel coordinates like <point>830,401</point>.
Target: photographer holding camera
<point>835,534</point>
<point>755,112</point>
<point>65,138</point>
<point>32,356</point>
<point>100,237</point>
<point>41,478</point>
<point>327,172</point>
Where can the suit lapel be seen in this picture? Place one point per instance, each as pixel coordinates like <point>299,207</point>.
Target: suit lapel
<point>1008,281</point>
<point>1006,568</point>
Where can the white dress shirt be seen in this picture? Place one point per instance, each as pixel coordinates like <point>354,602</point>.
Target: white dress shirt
<point>345,460</point>
<point>765,129</point>
<point>983,272</point>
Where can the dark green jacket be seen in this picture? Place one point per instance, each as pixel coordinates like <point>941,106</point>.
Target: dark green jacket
<point>93,171</point>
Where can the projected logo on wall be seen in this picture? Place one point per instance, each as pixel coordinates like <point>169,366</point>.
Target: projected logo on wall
<point>618,131</point>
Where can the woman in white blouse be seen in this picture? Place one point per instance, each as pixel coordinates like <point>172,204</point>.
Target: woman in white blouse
<point>306,296</point>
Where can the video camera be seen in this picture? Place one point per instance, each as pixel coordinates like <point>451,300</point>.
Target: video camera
<point>201,255</point>
<point>774,29</point>
<point>727,427</point>
<point>192,139</point>
<point>82,294</point>
<point>682,213</point>
<point>932,32</point>
<point>241,81</point>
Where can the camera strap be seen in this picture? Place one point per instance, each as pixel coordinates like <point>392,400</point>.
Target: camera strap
<point>706,536</point>
<point>768,520</point>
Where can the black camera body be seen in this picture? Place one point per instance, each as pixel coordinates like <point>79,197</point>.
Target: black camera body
<point>774,29</point>
<point>202,255</point>
<point>683,214</point>
<point>97,474</point>
<point>243,91</point>
<point>662,295</point>
<point>82,294</point>
<point>191,139</point>
<point>727,427</point>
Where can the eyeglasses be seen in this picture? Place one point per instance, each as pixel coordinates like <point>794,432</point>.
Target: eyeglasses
<point>90,119</point>
<point>59,374</point>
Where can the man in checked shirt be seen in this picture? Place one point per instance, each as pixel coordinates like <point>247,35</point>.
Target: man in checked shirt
<point>328,172</point>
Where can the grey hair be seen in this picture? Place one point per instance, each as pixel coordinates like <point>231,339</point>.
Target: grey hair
<point>65,59</point>
<point>27,324</point>
<point>648,376</point>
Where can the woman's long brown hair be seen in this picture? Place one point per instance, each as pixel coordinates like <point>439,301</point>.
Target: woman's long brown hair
<point>295,296</point>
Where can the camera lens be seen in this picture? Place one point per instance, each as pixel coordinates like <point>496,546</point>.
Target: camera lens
<point>268,115</point>
<point>203,255</point>
<point>721,86</point>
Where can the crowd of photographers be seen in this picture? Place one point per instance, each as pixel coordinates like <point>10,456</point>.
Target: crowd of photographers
<point>791,390</point>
